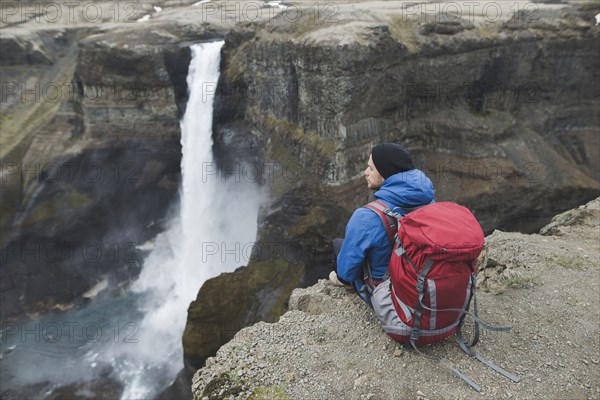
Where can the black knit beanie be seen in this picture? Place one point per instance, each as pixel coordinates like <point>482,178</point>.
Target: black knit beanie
<point>391,158</point>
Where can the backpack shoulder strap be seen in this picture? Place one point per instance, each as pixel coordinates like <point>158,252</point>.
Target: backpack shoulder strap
<point>389,223</point>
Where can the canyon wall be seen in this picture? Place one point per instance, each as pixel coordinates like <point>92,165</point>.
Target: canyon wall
<point>502,116</point>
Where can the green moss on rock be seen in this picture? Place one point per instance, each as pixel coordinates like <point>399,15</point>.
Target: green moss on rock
<point>230,301</point>
<point>302,156</point>
<point>317,216</point>
<point>268,393</point>
<point>10,196</point>
<point>55,207</point>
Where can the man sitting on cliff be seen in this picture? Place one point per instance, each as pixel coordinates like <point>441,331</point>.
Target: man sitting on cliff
<point>366,250</point>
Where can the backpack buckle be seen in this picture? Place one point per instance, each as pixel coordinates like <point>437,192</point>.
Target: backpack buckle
<point>421,284</point>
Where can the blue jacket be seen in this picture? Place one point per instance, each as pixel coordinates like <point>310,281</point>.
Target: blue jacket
<point>366,239</point>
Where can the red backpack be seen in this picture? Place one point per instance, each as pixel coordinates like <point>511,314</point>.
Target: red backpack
<point>434,262</point>
<point>433,274</point>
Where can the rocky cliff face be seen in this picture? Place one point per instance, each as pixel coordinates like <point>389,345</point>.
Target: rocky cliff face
<point>330,344</point>
<point>502,116</point>
<point>90,155</point>
<point>484,108</point>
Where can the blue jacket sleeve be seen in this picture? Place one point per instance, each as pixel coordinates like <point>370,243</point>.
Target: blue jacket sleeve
<point>362,233</point>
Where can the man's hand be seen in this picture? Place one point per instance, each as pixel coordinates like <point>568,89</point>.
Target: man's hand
<point>334,279</point>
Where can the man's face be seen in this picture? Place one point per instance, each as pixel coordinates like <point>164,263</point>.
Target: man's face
<point>374,179</point>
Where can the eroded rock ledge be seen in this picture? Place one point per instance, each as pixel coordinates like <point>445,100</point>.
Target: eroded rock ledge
<point>329,345</point>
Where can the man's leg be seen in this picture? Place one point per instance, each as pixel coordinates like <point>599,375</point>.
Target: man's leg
<point>337,247</point>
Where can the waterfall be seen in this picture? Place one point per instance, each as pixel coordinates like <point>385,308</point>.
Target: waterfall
<point>215,214</point>
<point>135,339</point>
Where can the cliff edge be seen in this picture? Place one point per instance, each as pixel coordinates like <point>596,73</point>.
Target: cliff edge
<point>330,345</point>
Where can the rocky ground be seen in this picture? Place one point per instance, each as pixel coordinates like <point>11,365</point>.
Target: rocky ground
<point>329,345</point>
